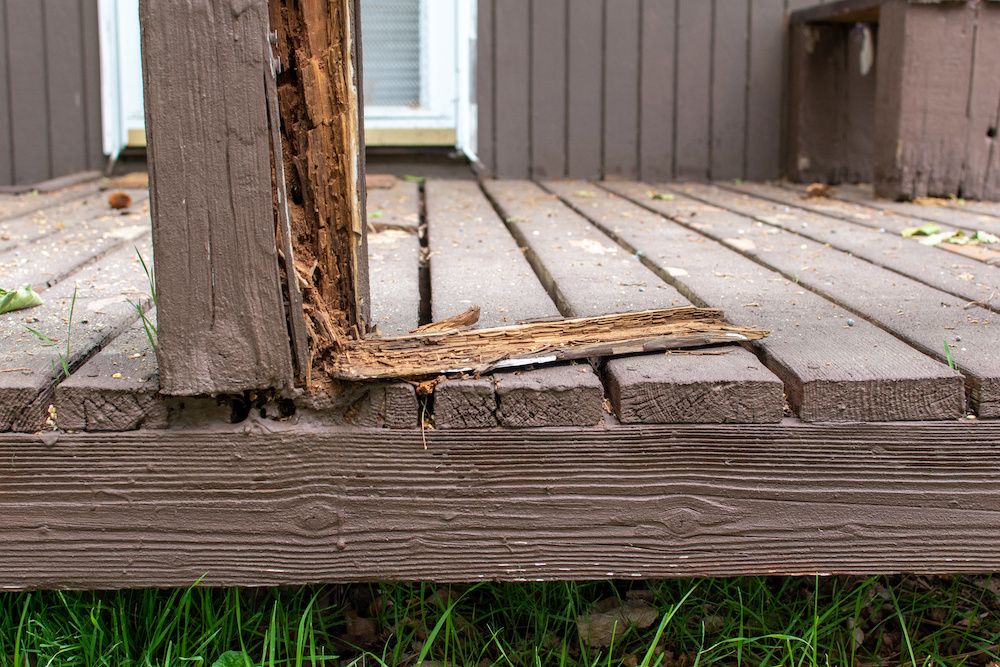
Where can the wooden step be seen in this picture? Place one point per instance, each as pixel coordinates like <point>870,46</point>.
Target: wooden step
<point>832,372</point>
<point>590,274</point>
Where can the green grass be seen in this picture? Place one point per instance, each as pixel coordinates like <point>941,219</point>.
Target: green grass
<point>792,621</point>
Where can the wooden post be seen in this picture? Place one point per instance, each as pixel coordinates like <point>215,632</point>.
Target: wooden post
<point>222,320</point>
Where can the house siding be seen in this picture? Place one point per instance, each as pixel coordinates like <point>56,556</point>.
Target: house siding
<point>50,89</point>
<point>651,89</point>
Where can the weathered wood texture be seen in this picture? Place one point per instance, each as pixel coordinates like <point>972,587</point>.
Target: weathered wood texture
<point>221,319</point>
<point>50,89</point>
<point>831,106</point>
<point>924,102</point>
<point>929,319</point>
<point>328,505</point>
<point>96,302</point>
<point>589,274</point>
<point>858,373</point>
<point>592,88</point>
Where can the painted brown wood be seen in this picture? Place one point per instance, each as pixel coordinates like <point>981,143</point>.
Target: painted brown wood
<point>765,86</point>
<point>925,66</point>
<point>693,108</point>
<point>657,69</point>
<point>92,85</point>
<point>51,258</point>
<point>512,82</point>
<point>932,266</point>
<point>485,76</point>
<point>99,299</point>
<point>842,11</point>
<point>926,318</point>
<point>654,388</point>
<point>475,261</point>
<point>6,139</point>
<point>345,505</point>
<point>859,373</point>
<point>584,120</point>
<point>26,79</point>
<point>221,320</point>
<point>729,74</point>
<point>65,85</point>
<point>118,389</point>
<point>622,21</point>
<point>858,114</point>
<point>984,107</point>
<point>548,88</point>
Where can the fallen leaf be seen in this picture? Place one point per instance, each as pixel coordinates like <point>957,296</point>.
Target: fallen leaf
<point>599,627</point>
<point>585,193</point>
<point>666,196</point>
<point>818,190</point>
<point>925,230</point>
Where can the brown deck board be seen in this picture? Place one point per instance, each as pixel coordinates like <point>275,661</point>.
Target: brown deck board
<point>396,207</point>
<point>34,223</point>
<point>475,261</point>
<point>50,258</point>
<point>101,311</point>
<point>932,266</point>
<point>832,373</point>
<point>924,317</point>
<point>590,275</point>
<point>946,215</point>
<point>261,504</point>
<point>117,389</point>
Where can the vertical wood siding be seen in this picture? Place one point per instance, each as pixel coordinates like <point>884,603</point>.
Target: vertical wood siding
<point>50,108</point>
<point>651,89</point>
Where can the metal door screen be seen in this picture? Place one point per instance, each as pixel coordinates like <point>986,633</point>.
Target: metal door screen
<point>391,33</point>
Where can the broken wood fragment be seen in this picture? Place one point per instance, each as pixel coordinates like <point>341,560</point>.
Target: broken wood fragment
<point>464,319</point>
<point>482,350</point>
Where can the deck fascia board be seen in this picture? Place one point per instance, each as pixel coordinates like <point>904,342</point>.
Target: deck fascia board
<point>265,503</point>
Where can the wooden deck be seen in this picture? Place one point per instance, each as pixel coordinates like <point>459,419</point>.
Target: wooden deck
<point>842,442</point>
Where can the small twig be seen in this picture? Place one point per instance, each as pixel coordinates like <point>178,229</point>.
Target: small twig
<point>984,304</point>
<point>11,370</point>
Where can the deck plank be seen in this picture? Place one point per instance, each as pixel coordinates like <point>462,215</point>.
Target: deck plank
<point>922,316</point>
<point>15,205</point>
<point>50,258</point>
<point>255,504</point>
<point>117,389</point>
<point>590,275</point>
<point>475,261</point>
<point>832,373</point>
<point>101,311</point>
<point>395,207</point>
<point>394,257</point>
<point>930,265</point>
<point>947,215</point>
<point>30,223</point>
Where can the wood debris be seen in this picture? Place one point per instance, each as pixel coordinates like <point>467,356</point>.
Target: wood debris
<point>431,353</point>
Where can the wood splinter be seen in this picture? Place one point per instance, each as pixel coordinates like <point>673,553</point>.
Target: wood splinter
<point>426,353</point>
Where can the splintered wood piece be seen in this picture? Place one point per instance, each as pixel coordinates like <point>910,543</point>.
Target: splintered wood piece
<point>464,319</point>
<point>482,350</point>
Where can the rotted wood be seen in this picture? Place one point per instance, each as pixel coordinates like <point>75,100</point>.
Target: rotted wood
<point>306,504</point>
<point>319,105</point>
<point>482,350</point>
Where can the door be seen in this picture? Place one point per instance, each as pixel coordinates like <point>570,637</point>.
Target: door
<point>418,72</point>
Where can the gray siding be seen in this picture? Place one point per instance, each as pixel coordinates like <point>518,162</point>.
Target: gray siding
<point>651,89</point>
<point>50,87</point>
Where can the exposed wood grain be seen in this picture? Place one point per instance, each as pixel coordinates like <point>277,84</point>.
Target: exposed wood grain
<point>924,63</point>
<point>584,121</point>
<point>932,266</point>
<point>729,85</point>
<point>928,319</point>
<point>221,319</point>
<point>51,258</point>
<point>693,110</point>
<point>548,88</point>
<point>622,20</point>
<point>26,79</point>
<point>657,69</point>
<point>296,506</point>
<point>764,97</point>
<point>118,389</point>
<point>99,299</point>
<point>859,373</point>
<point>475,261</point>
<point>590,274</point>
<point>65,83</point>
<point>485,82</point>
<point>513,98</point>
